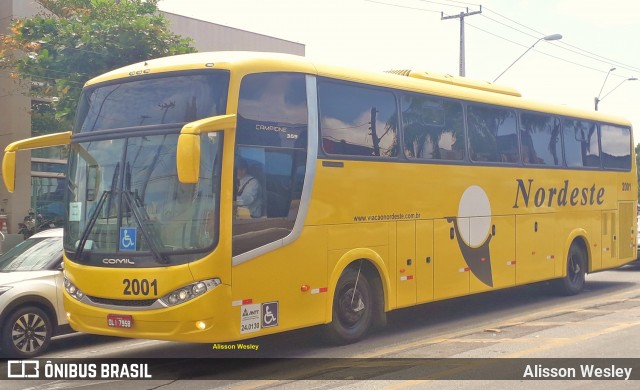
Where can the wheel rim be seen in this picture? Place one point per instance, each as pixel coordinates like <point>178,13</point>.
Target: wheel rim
<point>29,332</point>
<point>574,270</point>
<point>351,307</point>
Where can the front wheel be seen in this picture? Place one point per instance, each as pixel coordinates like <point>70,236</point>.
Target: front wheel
<point>26,333</point>
<point>576,271</point>
<point>353,307</point>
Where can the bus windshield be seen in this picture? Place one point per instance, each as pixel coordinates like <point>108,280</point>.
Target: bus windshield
<point>153,100</point>
<point>124,199</point>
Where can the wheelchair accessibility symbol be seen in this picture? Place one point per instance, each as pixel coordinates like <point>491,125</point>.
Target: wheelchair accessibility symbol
<point>128,239</point>
<point>269,314</point>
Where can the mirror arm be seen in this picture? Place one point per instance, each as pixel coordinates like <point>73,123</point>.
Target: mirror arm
<point>43,141</point>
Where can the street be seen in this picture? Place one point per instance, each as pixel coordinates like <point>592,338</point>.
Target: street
<point>524,322</point>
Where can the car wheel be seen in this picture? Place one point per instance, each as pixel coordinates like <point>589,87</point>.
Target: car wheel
<point>26,333</point>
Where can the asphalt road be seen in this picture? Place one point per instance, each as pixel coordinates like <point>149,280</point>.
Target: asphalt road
<point>599,326</point>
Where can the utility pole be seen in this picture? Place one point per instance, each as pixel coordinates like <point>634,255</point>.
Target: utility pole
<point>461,16</point>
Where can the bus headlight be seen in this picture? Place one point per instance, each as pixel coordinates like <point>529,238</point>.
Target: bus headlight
<point>73,290</point>
<point>190,291</point>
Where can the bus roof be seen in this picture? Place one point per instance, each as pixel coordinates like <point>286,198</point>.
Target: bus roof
<point>409,80</point>
<point>459,81</point>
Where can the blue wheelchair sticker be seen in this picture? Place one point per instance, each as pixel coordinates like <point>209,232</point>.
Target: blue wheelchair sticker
<point>128,239</point>
<point>269,314</point>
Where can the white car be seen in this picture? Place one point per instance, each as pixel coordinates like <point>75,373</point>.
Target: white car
<point>31,285</point>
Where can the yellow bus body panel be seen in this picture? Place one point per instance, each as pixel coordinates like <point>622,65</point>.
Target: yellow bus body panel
<point>400,216</point>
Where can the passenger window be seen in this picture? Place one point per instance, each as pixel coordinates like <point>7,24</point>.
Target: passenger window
<point>492,135</point>
<point>357,121</point>
<point>270,158</point>
<point>433,128</point>
<point>616,147</point>
<point>580,140</point>
<point>540,140</point>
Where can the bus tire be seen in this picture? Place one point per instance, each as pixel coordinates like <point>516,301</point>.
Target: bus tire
<point>576,271</point>
<point>353,308</point>
<point>26,333</point>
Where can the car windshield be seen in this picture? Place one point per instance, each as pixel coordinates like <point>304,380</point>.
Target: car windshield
<point>33,254</point>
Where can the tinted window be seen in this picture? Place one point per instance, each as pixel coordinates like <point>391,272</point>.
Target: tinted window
<point>270,158</point>
<point>540,140</point>
<point>433,128</point>
<point>357,121</point>
<point>580,143</point>
<point>153,101</point>
<point>492,135</point>
<point>616,147</point>
<point>273,110</point>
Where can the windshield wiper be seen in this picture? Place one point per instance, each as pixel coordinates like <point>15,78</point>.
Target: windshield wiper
<point>143,220</point>
<point>91,223</point>
<point>96,212</point>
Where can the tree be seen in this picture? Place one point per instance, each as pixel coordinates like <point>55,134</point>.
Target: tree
<point>58,50</point>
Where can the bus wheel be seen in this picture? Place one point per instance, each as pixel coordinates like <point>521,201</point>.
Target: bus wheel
<point>576,271</point>
<point>353,306</point>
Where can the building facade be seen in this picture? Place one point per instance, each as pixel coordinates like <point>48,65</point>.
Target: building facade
<point>40,174</point>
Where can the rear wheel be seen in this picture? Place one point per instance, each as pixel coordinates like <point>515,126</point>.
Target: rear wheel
<point>26,333</point>
<point>353,307</point>
<point>576,271</point>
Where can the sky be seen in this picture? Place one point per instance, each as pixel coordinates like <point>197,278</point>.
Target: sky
<point>379,35</point>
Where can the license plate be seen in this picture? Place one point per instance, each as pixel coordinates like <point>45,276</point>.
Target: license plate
<point>119,321</point>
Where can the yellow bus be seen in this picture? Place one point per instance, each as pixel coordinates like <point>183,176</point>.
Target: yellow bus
<point>215,197</point>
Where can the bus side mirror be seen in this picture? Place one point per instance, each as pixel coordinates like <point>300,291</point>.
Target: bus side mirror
<point>9,170</point>
<point>9,159</point>
<point>188,149</point>
<point>188,158</point>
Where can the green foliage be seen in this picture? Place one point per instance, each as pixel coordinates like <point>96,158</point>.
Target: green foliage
<point>76,40</point>
<point>46,123</point>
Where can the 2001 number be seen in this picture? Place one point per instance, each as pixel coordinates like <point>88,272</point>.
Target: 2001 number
<point>140,287</point>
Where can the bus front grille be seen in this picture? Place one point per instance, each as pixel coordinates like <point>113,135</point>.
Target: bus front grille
<point>123,302</point>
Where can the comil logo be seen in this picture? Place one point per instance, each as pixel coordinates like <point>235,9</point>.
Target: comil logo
<point>23,369</point>
<point>473,231</point>
<point>117,261</point>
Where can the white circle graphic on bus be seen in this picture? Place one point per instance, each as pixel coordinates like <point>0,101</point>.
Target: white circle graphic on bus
<point>474,210</point>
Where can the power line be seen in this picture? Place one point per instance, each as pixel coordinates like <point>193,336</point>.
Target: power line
<point>438,3</point>
<point>462,2</point>
<point>402,6</point>
<point>594,57</point>
<point>541,52</point>
<point>513,28</point>
<point>514,21</point>
<point>560,44</point>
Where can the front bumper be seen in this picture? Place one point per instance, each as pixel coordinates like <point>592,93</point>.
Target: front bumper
<point>207,318</point>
